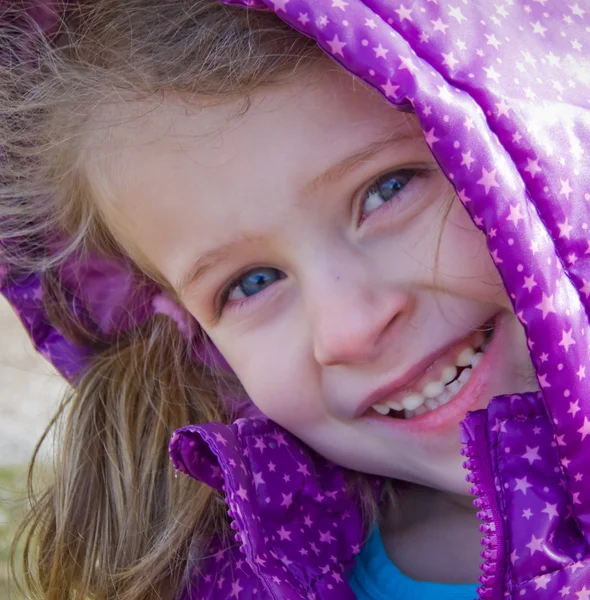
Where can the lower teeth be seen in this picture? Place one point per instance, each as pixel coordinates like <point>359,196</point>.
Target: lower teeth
<point>451,389</point>
<point>430,404</point>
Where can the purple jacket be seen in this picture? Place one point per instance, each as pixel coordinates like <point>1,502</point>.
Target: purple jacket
<point>502,92</point>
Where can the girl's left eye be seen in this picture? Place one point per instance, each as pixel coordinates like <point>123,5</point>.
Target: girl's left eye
<point>385,188</point>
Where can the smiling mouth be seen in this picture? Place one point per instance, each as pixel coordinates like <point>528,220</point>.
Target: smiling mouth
<point>442,381</point>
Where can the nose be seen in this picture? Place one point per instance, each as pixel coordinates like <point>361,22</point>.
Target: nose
<point>353,317</point>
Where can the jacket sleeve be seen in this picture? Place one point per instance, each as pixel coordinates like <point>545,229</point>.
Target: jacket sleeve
<point>297,526</point>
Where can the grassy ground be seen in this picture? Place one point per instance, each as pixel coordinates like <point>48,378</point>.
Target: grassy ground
<point>12,505</point>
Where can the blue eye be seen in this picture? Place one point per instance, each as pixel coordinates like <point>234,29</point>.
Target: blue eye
<point>385,189</point>
<point>253,282</point>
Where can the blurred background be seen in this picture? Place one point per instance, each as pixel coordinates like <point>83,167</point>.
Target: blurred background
<point>29,394</point>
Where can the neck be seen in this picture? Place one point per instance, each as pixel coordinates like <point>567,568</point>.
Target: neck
<point>420,527</point>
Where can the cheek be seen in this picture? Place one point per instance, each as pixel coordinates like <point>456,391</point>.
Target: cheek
<point>277,377</point>
<point>464,260</point>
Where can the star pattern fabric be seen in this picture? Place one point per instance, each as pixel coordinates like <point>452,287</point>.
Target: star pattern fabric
<point>502,93</point>
<point>298,527</point>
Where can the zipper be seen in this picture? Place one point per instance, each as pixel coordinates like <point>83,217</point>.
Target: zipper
<point>476,451</point>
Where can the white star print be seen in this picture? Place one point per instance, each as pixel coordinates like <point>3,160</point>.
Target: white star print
<point>390,89</point>
<point>440,26</point>
<point>499,426</point>
<point>503,109</point>
<point>444,93</point>
<point>566,339</point>
<point>430,138</point>
<point>495,257</point>
<point>535,545</point>
<point>339,4</point>
<point>449,59</point>
<point>322,21</point>
<point>532,167</point>
<point>370,23</point>
<point>585,289</point>
<point>492,41</point>
<point>566,190</point>
<point>529,93</point>
<point>406,63</point>
<point>404,13</point>
<point>576,10</point>
<point>574,408</point>
<point>457,14</point>
<point>236,588</point>
<point>303,18</point>
<point>467,159</point>
<point>463,196</point>
<point>542,581</point>
<point>539,29</point>
<point>515,214</point>
<point>501,10</point>
<point>491,73</point>
<point>550,509</point>
<point>565,229</point>
<point>531,454</point>
<point>546,305</point>
<point>336,45</point>
<point>488,179</point>
<point>585,429</point>
<point>522,485</point>
<point>380,51</point>
<point>529,282</point>
<point>280,5</point>
<point>528,57</point>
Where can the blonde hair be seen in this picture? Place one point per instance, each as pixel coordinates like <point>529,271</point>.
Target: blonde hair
<point>115,523</point>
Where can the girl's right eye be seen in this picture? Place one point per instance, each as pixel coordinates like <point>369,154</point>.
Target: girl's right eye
<point>251,283</point>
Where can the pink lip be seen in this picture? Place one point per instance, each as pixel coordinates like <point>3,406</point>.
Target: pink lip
<point>385,392</point>
<point>451,412</point>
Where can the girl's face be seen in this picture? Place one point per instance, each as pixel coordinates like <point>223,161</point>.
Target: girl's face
<point>320,247</point>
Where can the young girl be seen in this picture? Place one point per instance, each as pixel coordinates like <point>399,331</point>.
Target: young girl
<point>205,218</point>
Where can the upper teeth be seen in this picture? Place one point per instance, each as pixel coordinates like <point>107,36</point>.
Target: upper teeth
<point>437,393</point>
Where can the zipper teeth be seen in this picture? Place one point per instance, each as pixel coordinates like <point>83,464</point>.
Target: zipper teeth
<point>487,527</point>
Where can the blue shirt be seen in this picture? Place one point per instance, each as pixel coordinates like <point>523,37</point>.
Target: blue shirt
<point>375,577</point>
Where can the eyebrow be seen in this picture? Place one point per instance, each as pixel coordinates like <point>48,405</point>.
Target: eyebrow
<point>338,170</point>
<point>208,260</point>
<point>211,258</point>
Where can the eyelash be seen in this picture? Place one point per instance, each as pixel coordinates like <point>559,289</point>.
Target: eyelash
<point>415,173</point>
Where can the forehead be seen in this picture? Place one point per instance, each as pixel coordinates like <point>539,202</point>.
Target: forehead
<point>172,174</point>
<point>333,107</point>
